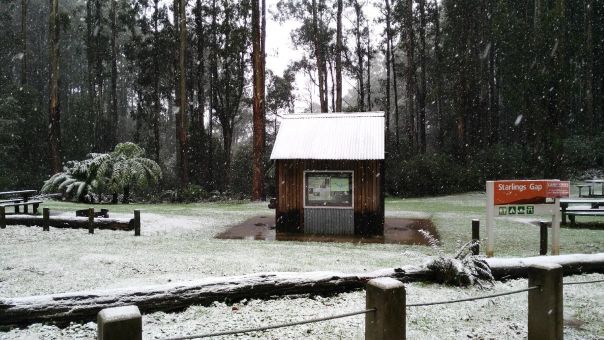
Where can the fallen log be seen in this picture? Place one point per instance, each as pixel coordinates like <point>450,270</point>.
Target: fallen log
<point>513,268</point>
<point>84,306</point>
<point>71,222</point>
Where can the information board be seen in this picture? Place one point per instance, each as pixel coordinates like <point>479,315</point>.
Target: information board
<point>328,189</point>
<point>518,198</point>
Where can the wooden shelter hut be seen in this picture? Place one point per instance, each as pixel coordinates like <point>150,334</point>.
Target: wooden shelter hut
<point>329,171</point>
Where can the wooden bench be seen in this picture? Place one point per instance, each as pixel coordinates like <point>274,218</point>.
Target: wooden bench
<point>25,205</point>
<point>572,214</point>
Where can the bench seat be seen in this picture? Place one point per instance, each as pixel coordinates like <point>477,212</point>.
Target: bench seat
<point>572,214</point>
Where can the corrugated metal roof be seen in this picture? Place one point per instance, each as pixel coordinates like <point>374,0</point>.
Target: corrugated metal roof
<point>354,136</point>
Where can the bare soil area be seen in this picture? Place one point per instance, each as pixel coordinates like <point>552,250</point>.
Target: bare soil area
<point>396,231</point>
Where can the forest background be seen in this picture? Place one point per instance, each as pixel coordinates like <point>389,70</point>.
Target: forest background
<point>472,90</point>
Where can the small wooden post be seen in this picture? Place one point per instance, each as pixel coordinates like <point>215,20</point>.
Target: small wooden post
<point>137,223</point>
<point>388,321</point>
<point>542,238</point>
<point>476,236</point>
<point>46,216</point>
<point>2,217</point>
<point>17,209</point>
<point>91,220</point>
<point>119,323</point>
<point>545,303</point>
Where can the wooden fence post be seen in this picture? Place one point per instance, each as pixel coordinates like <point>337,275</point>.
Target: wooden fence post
<point>545,303</point>
<point>542,238</point>
<point>119,323</point>
<point>91,220</point>
<point>137,223</point>
<point>387,296</point>
<point>46,216</point>
<point>476,236</point>
<point>2,217</point>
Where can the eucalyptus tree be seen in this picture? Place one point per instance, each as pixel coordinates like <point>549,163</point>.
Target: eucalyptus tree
<point>228,66</point>
<point>314,36</point>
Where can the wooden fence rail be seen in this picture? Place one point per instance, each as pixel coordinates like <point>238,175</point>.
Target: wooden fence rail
<point>90,222</point>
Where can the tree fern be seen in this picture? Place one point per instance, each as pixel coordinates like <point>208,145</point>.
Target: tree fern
<point>122,170</point>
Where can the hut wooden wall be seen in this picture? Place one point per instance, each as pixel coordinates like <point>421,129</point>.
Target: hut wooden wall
<point>368,193</point>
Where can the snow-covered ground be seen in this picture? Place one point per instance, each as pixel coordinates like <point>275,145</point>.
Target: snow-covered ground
<point>497,318</point>
<point>179,246</point>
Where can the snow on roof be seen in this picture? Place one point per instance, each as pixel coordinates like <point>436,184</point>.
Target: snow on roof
<point>352,136</point>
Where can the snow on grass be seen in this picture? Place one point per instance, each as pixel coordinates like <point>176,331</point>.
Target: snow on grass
<point>497,318</point>
<point>177,244</point>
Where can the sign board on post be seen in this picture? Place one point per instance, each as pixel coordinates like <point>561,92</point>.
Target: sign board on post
<point>522,198</point>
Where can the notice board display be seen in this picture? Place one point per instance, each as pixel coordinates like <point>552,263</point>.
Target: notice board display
<point>328,189</point>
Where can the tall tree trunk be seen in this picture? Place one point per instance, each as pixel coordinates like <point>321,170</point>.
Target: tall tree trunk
<point>438,75</point>
<point>339,57</point>
<point>369,53</point>
<point>213,75</point>
<point>493,124</point>
<point>263,54</point>
<point>201,98</point>
<point>395,90</point>
<point>113,94</point>
<point>423,86</point>
<point>359,52</point>
<point>183,104</point>
<point>410,46</point>
<point>90,54</point>
<point>258,107</point>
<point>388,73</point>
<point>591,121</point>
<point>54,129</point>
<point>319,58</point>
<point>24,42</point>
<point>333,86</point>
<point>100,137</point>
<point>155,119</point>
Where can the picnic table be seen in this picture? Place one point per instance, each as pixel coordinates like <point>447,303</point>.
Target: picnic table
<point>21,201</point>
<point>580,207</point>
<point>592,190</point>
<point>24,194</point>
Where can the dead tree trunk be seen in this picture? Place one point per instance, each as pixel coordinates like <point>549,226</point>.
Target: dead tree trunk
<point>84,306</point>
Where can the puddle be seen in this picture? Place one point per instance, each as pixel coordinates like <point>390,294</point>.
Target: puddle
<point>396,231</point>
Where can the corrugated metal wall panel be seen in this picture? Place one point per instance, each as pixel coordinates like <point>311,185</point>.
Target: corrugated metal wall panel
<point>328,221</point>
